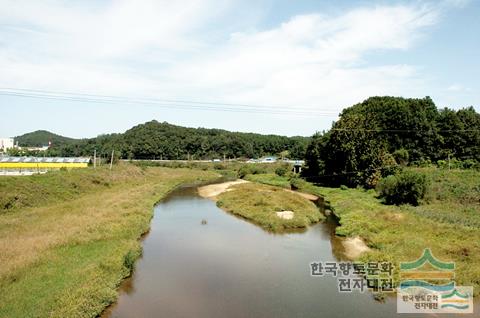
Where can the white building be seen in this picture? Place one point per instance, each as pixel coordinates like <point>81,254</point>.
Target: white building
<point>6,143</point>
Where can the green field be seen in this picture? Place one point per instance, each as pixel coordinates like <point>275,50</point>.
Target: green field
<point>448,221</point>
<point>68,238</point>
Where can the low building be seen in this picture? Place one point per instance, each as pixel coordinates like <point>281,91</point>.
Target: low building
<point>6,143</point>
<point>47,163</point>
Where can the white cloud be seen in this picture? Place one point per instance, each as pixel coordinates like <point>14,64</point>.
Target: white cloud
<point>310,59</point>
<point>455,87</point>
<point>172,49</point>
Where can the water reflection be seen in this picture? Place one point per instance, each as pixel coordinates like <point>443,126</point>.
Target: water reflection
<point>231,268</point>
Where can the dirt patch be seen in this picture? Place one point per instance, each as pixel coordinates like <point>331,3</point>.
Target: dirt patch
<point>211,191</point>
<point>354,247</point>
<point>286,215</point>
<point>307,196</point>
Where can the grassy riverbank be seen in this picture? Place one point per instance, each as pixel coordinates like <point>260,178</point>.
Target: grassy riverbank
<point>447,222</point>
<point>260,204</point>
<point>68,238</point>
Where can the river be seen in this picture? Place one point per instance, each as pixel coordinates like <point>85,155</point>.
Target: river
<point>232,268</point>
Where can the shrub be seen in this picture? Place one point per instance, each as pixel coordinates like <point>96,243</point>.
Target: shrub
<point>372,179</point>
<point>281,171</point>
<point>469,164</point>
<point>401,156</point>
<point>405,187</point>
<point>343,187</point>
<point>442,164</point>
<point>257,169</point>
<point>297,183</point>
<point>243,171</point>
<point>220,166</point>
<point>388,166</point>
<point>424,163</point>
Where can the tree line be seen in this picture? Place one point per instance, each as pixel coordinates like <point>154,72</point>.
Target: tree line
<point>372,138</point>
<point>161,140</point>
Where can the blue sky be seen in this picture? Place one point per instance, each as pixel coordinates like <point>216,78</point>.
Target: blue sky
<point>317,56</point>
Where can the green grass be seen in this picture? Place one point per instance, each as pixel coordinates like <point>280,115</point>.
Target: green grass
<point>56,186</point>
<point>270,179</point>
<point>448,221</point>
<point>258,204</point>
<point>66,256</point>
<point>227,168</point>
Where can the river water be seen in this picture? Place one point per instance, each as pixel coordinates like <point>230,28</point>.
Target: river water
<point>232,268</point>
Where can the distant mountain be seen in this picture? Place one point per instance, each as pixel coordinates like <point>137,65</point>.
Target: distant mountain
<point>41,138</point>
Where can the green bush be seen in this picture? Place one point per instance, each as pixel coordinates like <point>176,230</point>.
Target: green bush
<point>442,164</point>
<point>405,187</point>
<point>251,169</point>
<point>469,164</point>
<point>257,169</point>
<point>243,171</point>
<point>220,166</point>
<point>297,183</point>
<point>401,156</point>
<point>281,171</point>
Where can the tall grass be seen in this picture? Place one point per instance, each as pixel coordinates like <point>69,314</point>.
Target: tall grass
<point>64,249</point>
<point>259,204</point>
<point>447,222</point>
<point>57,186</point>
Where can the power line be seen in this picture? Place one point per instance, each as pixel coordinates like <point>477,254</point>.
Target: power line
<point>404,130</point>
<point>161,100</point>
<point>345,173</point>
<point>176,104</point>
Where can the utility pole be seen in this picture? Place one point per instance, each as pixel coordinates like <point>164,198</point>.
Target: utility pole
<point>111,160</point>
<point>95,159</point>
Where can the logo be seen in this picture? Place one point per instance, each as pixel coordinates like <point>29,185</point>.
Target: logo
<point>427,285</point>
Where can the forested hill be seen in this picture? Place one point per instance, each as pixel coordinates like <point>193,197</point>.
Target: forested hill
<point>166,141</point>
<point>170,141</point>
<point>41,138</point>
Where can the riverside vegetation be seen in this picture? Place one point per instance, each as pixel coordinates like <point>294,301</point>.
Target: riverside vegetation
<point>447,221</point>
<point>68,238</point>
<point>260,203</point>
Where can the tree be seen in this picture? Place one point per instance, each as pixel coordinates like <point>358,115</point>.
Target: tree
<point>358,149</point>
<point>284,154</point>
